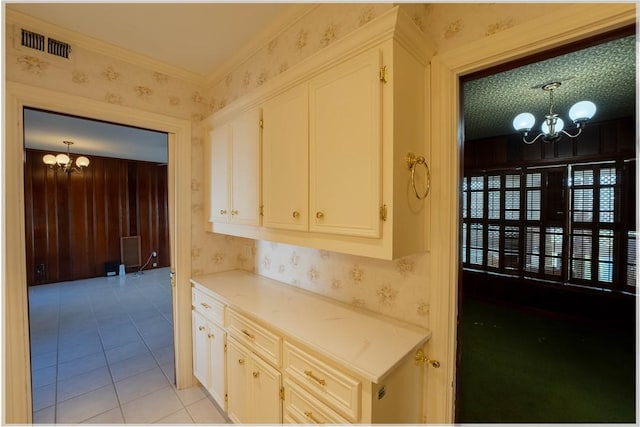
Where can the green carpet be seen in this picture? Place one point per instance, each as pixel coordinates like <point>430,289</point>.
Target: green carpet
<point>518,366</point>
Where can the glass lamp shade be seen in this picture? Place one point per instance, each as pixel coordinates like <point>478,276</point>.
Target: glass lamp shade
<point>583,110</point>
<point>62,159</point>
<point>558,128</point>
<point>524,121</point>
<point>49,159</point>
<point>82,162</point>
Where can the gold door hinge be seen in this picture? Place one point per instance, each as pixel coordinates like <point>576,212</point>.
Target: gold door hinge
<point>225,347</point>
<point>281,393</point>
<point>262,210</point>
<point>261,123</point>
<point>226,398</point>
<point>383,212</point>
<point>384,75</point>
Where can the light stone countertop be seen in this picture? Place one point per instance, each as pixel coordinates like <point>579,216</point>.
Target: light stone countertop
<point>368,344</point>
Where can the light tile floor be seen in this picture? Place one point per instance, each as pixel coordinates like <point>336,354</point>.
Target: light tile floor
<point>102,353</point>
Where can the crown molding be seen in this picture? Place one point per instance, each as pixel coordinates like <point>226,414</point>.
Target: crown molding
<point>287,19</point>
<point>13,17</point>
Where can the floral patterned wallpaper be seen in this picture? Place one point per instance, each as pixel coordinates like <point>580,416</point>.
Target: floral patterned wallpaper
<point>394,288</point>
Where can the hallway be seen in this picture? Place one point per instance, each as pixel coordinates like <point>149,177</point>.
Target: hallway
<point>102,353</point>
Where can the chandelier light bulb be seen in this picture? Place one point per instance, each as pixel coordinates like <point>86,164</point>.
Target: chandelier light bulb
<point>49,159</point>
<point>62,159</point>
<point>583,110</point>
<point>82,161</point>
<point>557,129</point>
<point>524,122</point>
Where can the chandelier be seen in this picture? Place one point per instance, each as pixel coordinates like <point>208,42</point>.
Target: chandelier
<point>553,126</point>
<point>65,161</point>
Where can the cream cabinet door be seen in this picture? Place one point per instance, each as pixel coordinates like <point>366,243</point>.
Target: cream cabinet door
<point>217,364</point>
<point>265,387</point>
<point>219,173</point>
<point>245,168</point>
<point>253,387</point>
<point>345,148</point>
<point>238,375</point>
<point>200,349</point>
<point>285,142</point>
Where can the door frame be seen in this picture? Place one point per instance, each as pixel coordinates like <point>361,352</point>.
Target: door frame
<point>17,367</point>
<point>570,23</point>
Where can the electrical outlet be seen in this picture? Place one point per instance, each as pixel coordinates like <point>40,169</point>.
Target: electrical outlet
<point>154,254</point>
<point>155,264</point>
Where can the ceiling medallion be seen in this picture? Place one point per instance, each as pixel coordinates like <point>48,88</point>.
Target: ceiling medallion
<point>65,161</point>
<point>553,126</point>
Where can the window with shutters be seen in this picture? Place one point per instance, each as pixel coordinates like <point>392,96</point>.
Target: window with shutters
<point>565,224</point>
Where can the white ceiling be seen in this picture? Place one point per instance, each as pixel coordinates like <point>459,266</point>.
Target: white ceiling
<point>46,131</point>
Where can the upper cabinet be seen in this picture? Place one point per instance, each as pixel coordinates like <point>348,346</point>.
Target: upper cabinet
<point>234,170</point>
<point>345,148</point>
<point>285,163</point>
<point>337,130</point>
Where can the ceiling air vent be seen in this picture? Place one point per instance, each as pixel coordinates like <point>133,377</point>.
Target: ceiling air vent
<point>32,40</point>
<point>58,48</point>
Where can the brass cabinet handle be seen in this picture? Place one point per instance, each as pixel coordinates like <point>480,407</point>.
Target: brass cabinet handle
<point>235,212</point>
<point>310,417</point>
<point>421,357</point>
<point>319,215</point>
<point>247,333</point>
<point>296,214</point>
<point>318,380</point>
<point>256,374</point>
<point>211,335</point>
<point>201,328</point>
<point>205,305</point>
<point>241,361</point>
<point>223,211</point>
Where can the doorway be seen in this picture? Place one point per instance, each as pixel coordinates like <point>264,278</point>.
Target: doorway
<point>537,291</point>
<point>18,402</point>
<point>96,332</point>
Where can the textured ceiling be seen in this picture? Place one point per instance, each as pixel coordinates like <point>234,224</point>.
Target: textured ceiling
<point>604,74</point>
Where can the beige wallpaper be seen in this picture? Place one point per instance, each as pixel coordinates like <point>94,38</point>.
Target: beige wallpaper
<point>394,288</point>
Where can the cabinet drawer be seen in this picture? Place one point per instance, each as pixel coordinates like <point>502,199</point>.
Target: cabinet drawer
<point>302,408</point>
<point>260,340</point>
<point>339,390</point>
<point>211,309</point>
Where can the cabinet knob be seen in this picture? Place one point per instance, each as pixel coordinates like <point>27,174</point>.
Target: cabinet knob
<point>296,214</point>
<point>223,212</point>
<point>211,335</point>
<point>241,361</point>
<point>201,328</point>
<point>319,215</point>
<point>235,212</point>
<point>256,374</point>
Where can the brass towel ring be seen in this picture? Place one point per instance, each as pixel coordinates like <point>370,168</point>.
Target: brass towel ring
<point>412,161</point>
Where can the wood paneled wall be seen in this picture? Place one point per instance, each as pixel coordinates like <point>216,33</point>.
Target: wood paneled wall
<point>74,221</point>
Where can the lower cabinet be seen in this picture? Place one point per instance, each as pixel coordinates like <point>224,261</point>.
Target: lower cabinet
<point>253,388</point>
<point>208,356</point>
<point>261,373</point>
